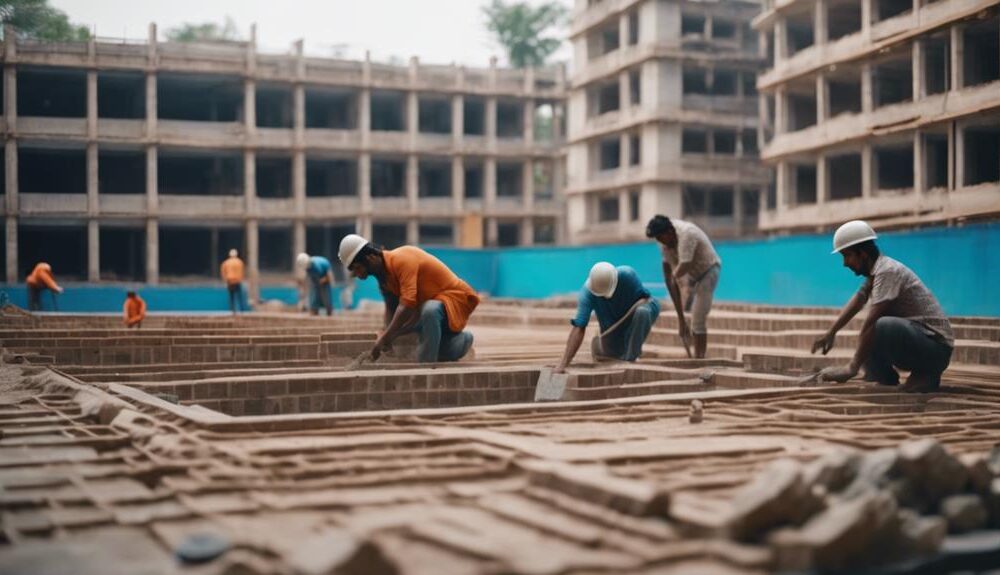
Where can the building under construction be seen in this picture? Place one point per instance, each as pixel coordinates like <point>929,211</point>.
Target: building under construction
<point>148,161</point>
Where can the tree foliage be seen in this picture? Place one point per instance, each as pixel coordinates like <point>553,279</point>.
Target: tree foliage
<point>36,19</point>
<point>204,32</point>
<point>526,32</point>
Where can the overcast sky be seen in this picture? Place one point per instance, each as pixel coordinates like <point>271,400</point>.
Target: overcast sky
<point>436,31</point>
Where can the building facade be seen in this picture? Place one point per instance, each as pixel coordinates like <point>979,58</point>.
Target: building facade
<point>148,161</point>
<point>887,110</point>
<point>662,118</point>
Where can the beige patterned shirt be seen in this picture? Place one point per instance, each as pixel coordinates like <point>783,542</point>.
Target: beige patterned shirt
<point>692,246</point>
<point>910,299</point>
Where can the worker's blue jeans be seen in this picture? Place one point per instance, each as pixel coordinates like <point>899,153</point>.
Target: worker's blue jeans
<point>437,341</point>
<point>626,341</point>
<point>321,296</point>
<point>905,344</point>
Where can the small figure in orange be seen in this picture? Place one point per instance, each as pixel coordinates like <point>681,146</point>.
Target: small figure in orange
<point>40,279</point>
<point>134,310</point>
<point>232,273</point>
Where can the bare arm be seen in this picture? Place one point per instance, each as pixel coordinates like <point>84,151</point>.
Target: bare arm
<point>401,318</point>
<point>675,295</point>
<point>856,304</point>
<point>572,346</point>
<point>391,303</point>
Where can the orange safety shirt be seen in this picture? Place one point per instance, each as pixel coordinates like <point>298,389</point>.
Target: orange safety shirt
<point>232,271</point>
<point>416,277</point>
<point>41,276</point>
<point>135,310</point>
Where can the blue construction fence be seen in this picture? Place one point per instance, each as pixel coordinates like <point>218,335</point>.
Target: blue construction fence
<point>961,265</point>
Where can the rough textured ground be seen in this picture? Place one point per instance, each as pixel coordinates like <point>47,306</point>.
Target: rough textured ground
<point>251,431</point>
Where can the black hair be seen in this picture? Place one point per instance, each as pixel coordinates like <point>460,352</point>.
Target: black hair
<point>658,225</point>
<point>867,247</point>
<point>129,293</point>
<point>369,249</point>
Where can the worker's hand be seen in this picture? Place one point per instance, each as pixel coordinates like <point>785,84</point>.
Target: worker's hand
<point>59,290</point>
<point>684,330</point>
<point>375,353</point>
<point>559,369</point>
<point>824,343</point>
<point>836,374</point>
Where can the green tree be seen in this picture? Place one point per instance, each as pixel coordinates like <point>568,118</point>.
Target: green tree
<point>36,19</point>
<point>205,32</point>
<point>526,32</point>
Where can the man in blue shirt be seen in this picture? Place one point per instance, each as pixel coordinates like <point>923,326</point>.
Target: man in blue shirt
<point>625,312</point>
<point>320,274</point>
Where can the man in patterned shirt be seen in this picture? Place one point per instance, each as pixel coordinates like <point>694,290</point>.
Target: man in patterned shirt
<point>905,327</point>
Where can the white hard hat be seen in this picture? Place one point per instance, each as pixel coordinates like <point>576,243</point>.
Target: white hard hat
<point>349,248</point>
<point>603,279</point>
<point>852,233</point>
<point>233,253</point>
<point>302,260</point>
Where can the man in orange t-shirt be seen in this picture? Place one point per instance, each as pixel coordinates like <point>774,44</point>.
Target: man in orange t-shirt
<point>38,280</point>
<point>232,273</point>
<point>421,294</point>
<point>134,310</point>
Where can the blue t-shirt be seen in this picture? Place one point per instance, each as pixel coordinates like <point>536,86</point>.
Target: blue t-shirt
<point>609,310</point>
<point>318,268</point>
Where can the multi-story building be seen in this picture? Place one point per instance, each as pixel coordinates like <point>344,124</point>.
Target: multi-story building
<point>887,110</point>
<point>662,117</point>
<point>147,161</point>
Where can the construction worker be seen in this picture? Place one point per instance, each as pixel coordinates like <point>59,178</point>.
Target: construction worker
<point>687,252</point>
<point>231,271</point>
<point>320,274</point>
<point>421,294</point>
<point>625,312</point>
<point>905,327</point>
<point>39,280</point>
<point>134,310</point>
<point>345,281</point>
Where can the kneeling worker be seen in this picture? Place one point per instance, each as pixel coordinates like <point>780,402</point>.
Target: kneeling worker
<point>905,328</point>
<point>625,311</point>
<point>421,294</point>
<point>134,310</point>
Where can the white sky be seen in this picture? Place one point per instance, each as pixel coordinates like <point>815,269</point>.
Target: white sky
<point>436,31</point>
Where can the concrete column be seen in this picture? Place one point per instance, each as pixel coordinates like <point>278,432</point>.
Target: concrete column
<point>10,96</point>
<point>412,116</point>
<point>250,180</point>
<point>623,213</point>
<point>11,227</point>
<point>623,30</point>
<point>457,183</point>
<point>780,112</point>
<point>957,52</point>
<point>91,104</point>
<point>298,237</point>
<point>919,171</point>
<point>528,185</point>
<point>250,108</point>
<point>412,182</point>
<point>822,99</point>
<point>822,180</point>
<point>958,166</point>
<point>781,190</point>
<point>457,120</point>
<point>781,40</point>
<point>365,182</point>
<point>489,183</point>
<point>491,121</point>
<point>412,231</point>
<point>820,26</point>
<point>299,153</point>
<point>151,112</point>
<point>152,251</point>
<point>866,19</point>
<point>250,230</point>
<point>624,93</point>
<point>919,90</point>
<point>364,225</point>
<point>867,89</point>
<point>492,232</point>
<point>624,147</point>
<point>529,122</point>
<point>299,181</point>
<point>738,209</point>
<point>152,181</point>
<point>527,231</point>
<point>365,117</point>
<point>867,171</point>
<point>10,180</point>
<point>93,251</point>
<point>93,205</point>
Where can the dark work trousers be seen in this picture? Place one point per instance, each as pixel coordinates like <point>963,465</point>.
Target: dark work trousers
<point>905,344</point>
<point>236,297</point>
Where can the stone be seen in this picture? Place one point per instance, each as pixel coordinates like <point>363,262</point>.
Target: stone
<point>932,469</point>
<point>978,467</point>
<point>874,471</point>
<point>921,535</point>
<point>201,547</point>
<point>595,484</point>
<point>833,471</point>
<point>337,551</point>
<point>964,513</point>
<point>697,411</point>
<point>770,500</point>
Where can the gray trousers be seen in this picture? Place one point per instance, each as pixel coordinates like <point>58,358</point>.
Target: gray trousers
<point>437,341</point>
<point>905,344</point>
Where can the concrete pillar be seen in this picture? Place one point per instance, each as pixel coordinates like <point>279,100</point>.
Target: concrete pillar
<point>492,232</point>
<point>250,108</point>
<point>958,166</point>
<point>624,92</point>
<point>298,237</point>
<point>250,180</point>
<point>820,27</point>
<point>866,19</point>
<point>623,213</point>
<point>11,227</point>
<point>780,40</point>
<point>528,185</point>
<point>489,183</point>
<point>822,180</point>
<point>152,181</point>
<point>91,104</point>
<point>93,205</point>
<point>93,251</point>
<point>867,89</point>
<point>957,52</point>
<point>299,181</point>
<point>491,121</point>
<point>781,191</point>
<point>152,251</point>
<point>252,257</point>
<point>457,119</point>
<point>822,99</point>
<point>738,209</point>
<point>529,122</point>
<point>412,182</point>
<point>527,231</point>
<point>919,169</point>
<point>780,112</point>
<point>867,171</point>
<point>365,182</point>
<point>10,96</point>
<point>151,113</point>
<point>412,116</point>
<point>412,231</point>
<point>457,183</point>
<point>919,90</point>
<point>365,116</point>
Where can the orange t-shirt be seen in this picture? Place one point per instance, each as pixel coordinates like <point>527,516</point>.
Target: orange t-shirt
<point>41,276</point>
<point>416,276</point>
<point>135,310</point>
<point>232,270</point>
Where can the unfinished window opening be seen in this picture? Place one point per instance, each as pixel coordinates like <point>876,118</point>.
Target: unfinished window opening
<point>434,179</point>
<point>275,245</point>
<point>544,180</point>
<point>434,115</point>
<point>121,95</point>
<point>64,247</point>
<point>981,53</point>
<point>772,193</point>
<point>693,81</point>
<point>274,176</point>
<point>389,235</point>
<point>692,25</point>
<point>436,234</point>
<point>800,33</point>
<point>694,141</point>
<point>751,39</point>
<point>608,98</point>
<point>724,142</point>
<point>894,167</point>
<point>892,81</point>
<point>634,197</point>
<point>694,201</point>
<point>770,48</point>
<point>635,87</point>
<point>51,170</point>
<point>720,202</point>
<point>544,231</point>
<point>337,109</point>
<point>801,109</point>
<point>845,95</point>
<point>634,150</point>
<point>123,253</point>
<point>805,184</point>
<point>200,173</point>
<point>510,119</point>
<point>388,178</point>
<point>749,83</point>
<point>508,234</point>
<point>510,180</point>
<point>199,98</point>
<point>196,251</point>
<point>751,204</point>
<point>473,116</point>
<point>388,111</point>
<point>885,9</point>
<point>633,27</point>
<point>749,138</point>
<point>325,238</point>
<point>982,154</point>
<point>936,160</point>
<point>844,175</point>
<point>544,117</point>
<point>273,106</point>
<point>723,29</point>
<point>937,64</point>
<point>473,180</point>
<point>724,82</point>
<point>329,177</point>
<point>607,208</point>
<point>609,39</point>
<point>52,92</point>
<point>121,172</point>
<point>610,153</point>
<point>843,18</point>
